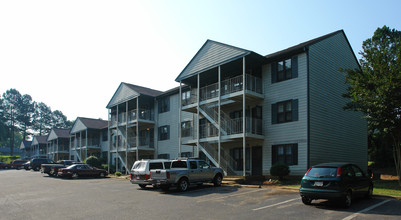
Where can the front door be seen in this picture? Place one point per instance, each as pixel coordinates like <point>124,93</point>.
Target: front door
<point>257,161</point>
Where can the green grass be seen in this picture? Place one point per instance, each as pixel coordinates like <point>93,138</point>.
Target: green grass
<point>387,188</point>
<point>8,159</point>
<point>381,187</point>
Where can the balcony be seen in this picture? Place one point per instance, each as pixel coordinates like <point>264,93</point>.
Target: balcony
<point>229,87</point>
<point>233,127</point>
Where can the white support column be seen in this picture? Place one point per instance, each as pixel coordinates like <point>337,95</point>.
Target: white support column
<point>137,128</point>
<point>219,112</point>
<point>117,131</point>
<point>197,115</point>
<point>179,120</point>
<point>80,145</point>
<point>243,116</point>
<point>126,137</point>
<point>108,139</point>
<point>57,150</point>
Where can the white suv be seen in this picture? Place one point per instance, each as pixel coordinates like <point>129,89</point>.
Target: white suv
<point>140,172</point>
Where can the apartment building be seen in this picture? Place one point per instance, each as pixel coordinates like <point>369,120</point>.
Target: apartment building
<point>88,137</point>
<point>58,147</point>
<point>25,148</point>
<point>39,146</point>
<point>244,112</point>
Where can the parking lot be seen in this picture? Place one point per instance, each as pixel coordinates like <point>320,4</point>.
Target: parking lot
<point>32,195</point>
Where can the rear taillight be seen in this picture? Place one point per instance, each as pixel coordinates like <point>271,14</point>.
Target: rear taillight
<point>147,176</point>
<point>130,176</point>
<point>339,171</point>
<point>308,171</point>
<point>168,175</point>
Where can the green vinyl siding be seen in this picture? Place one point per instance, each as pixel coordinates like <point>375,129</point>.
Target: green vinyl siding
<point>335,134</point>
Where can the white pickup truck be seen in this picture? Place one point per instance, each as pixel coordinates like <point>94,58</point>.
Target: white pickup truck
<point>184,172</point>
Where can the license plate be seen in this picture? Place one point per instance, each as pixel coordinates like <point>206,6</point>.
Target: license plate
<point>138,177</point>
<point>318,184</point>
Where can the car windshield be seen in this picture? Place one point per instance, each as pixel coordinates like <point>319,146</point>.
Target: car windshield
<point>322,172</point>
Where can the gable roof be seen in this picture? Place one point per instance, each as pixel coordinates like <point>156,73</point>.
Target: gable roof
<point>25,144</point>
<point>126,91</point>
<point>82,124</point>
<point>39,140</point>
<point>304,46</point>
<point>210,55</point>
<point>58,133</point>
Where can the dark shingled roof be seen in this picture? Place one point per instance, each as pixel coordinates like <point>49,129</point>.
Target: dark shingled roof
<point>62,132</point>
<point>300,47</point>
<point>144,91</point>
<point>41,139</point>
<point>94,123</point>
<point>27,144</point>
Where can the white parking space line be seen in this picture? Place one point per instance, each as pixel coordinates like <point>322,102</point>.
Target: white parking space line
<point>280,203</point>
<point>365,210</point>
<point>237,194</point>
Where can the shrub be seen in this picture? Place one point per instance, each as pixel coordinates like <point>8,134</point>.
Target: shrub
<point>118,173</point>
<point>93,161</point>
<point>280,170</point>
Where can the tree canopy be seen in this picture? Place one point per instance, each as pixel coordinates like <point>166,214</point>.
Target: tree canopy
<point>21,116</point>
<point>375,88</point>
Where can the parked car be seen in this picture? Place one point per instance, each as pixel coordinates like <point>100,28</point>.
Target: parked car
<point>184,172</point>
<point>36,163</point>
<point>4,165</point>
<point>17,164</point>
<point>26,165</point>
<point>52,169</point>
<point>335,181</point>
<point>140,172</point>
<point>81,170</point>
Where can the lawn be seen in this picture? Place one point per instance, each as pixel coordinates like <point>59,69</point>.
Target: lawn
<point>387,187</point>
<point>381,187</point>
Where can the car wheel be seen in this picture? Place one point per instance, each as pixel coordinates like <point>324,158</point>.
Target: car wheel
<point>74,175</point>
<point>102,175</point>
<point>36,169</point>
<point>155,186</point>
<point>183,185</point>
<point>143,186</point>
<point>369,193</point>
<point>217,180</point>
<point>347,199</point>
<point>306,200</point>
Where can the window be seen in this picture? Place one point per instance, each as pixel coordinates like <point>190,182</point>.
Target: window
<point>164,105</point>
<point>178,164</point>
<point>285,69</point>
<point>286,111</point>
<point>186,97</point>
<point>285,153</point>
<point>164,133</point>
<point>203,165</point>
<point>186,128</point>
<point>193,165</point>
<point>154,166</point>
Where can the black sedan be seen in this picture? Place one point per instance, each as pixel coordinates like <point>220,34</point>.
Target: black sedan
<point>81,170</point>
<point>335,181</point>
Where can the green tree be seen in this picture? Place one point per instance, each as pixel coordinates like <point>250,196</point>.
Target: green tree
<point>11,100</point>
<point>375,89</point>
<point>3,127</point>
<point>26,110</point>
<point>42,118</point>
<point>59,120</point>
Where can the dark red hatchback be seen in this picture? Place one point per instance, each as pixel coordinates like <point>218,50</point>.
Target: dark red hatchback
<point>335,181</point>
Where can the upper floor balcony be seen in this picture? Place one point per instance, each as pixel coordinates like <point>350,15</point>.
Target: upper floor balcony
<point>145,115</point>
<point>231,88</point>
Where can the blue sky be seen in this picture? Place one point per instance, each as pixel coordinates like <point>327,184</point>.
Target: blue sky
<point>73,55</point>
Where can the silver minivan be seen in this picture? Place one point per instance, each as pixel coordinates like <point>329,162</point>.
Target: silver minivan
<point>140,172</point>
